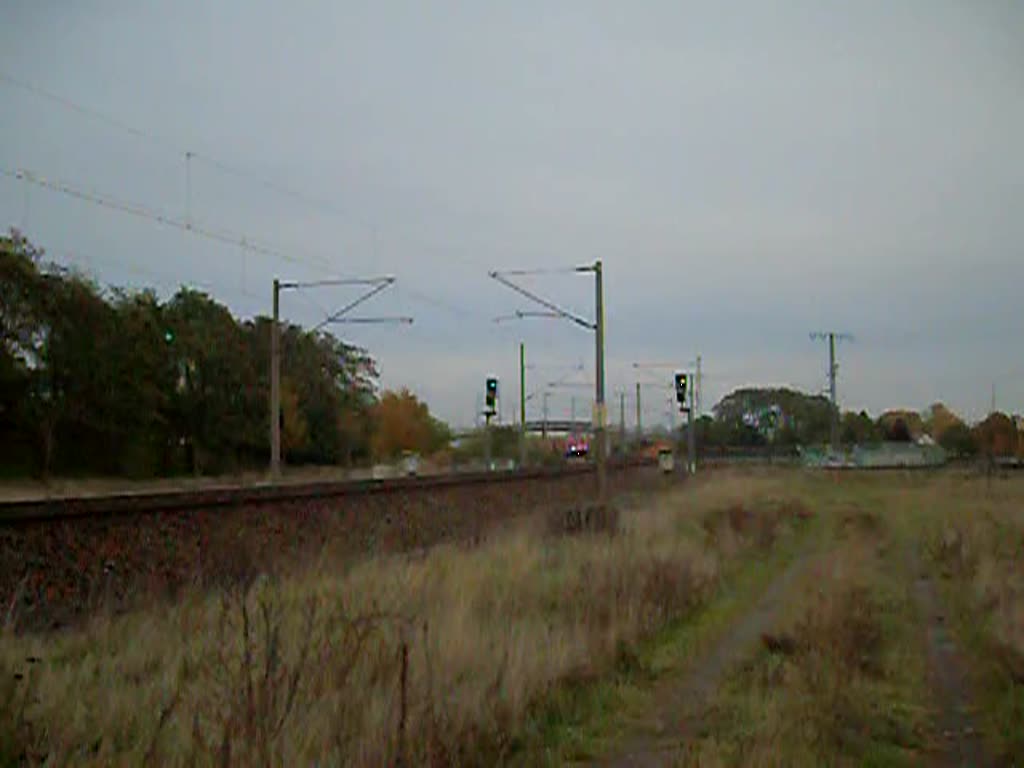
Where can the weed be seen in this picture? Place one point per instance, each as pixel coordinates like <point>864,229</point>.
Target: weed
<point>452,655</point>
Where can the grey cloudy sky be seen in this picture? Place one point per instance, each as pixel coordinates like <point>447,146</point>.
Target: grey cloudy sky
<point>747,172</point>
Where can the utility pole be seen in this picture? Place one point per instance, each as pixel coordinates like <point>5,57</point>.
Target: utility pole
<point>522,405</point>
<point>699,390</point>
<point>275,386</point>
<point>833,369</point>
<point>639,417</point>
<point>487,439</point>
<point>832,391</point>
<point>691,435</point>
<point>597,326</point>
<point>622,421</point>
<point>697,395</point>
<point>599,407</point>
<point>376,285</point>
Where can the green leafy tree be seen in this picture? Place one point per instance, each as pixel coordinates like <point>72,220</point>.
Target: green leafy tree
<point>938,418</point>
<point>959,441</point>
<point>213,375</point>
<point>858,429</point>
<point>742,417</point>
<point>20,347</point>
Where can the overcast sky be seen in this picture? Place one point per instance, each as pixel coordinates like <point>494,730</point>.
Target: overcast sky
<point>747,172</point>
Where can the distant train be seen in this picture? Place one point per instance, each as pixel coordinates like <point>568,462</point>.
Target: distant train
<point>576,446</point>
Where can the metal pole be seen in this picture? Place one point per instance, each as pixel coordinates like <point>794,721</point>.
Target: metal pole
<point>522,404</point>
<point>275,386</point>
<point>699,393</point>
<point>834,423</point>
<point>544,423</point>
<point>622,421</point>
<point>691,436</point>
<point>602,479</point>
<point>639,418</point>
<point>487,440</point>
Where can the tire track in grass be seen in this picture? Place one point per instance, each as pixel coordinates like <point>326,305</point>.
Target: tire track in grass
<point>959,742</point>
<point>681,702</point>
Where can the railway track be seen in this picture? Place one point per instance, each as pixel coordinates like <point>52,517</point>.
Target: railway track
<point>62,559</point>
<point>143,502</point>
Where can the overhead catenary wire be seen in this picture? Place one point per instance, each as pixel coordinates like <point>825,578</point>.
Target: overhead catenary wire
<point>76,256</point>
<point>243,242</point>
<point>563,313</point>
<point>180,149</point>
<point>140,211</point>
<point>89,112</point>
<point>544,271</point>
<point>337,315</point>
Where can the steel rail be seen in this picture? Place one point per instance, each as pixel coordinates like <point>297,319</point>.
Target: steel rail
<point>148,502</point>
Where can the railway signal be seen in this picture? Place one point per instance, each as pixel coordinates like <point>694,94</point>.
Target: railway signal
<point>681,381</point>
<point>491,396</point>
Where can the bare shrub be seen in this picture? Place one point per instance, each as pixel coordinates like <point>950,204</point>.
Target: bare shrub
<point>583,518</point>
<point>738,525</point>
<point>440,739</point>
<point>952,548</point>
<point>861,522</point>
<point>845,627</point>
<point>263,657</point>
<point>669,589</point>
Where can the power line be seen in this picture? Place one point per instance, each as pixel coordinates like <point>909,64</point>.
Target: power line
<point>77,256</point>
<point>425,298</point>
<point>140,211</point>
<point>87,111</point>
<point>226,168</point>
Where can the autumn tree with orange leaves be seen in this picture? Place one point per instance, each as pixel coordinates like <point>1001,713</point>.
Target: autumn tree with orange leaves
<point>402,422</point>
<point>997,435</point>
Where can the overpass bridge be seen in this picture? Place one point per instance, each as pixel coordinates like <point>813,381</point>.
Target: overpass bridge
<point>558,425</point>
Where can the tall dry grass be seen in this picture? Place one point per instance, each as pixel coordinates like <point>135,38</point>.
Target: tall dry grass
<point>974,537</point>
<point>838,682</point>
<point>438,658</point>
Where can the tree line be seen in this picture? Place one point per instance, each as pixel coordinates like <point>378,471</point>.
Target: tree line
<point>111,381</point>
<point>755,417</point>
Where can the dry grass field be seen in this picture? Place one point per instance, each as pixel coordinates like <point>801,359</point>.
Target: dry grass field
<point>525,648</point>
<point>861,669</point>
<point>441,657</point>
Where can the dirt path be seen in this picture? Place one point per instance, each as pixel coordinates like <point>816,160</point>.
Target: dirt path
<point>959,743</point>
<point>679,703</point>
